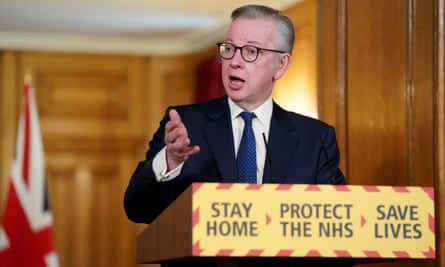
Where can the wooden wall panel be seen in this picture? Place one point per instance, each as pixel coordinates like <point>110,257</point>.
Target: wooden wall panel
<point>85,95</point>
<point>376,76</point>
<point>390,92</point>
<point>93,120</point>
<point>421,88</point>
<point>9,105</point>
<point>172,81</point>
<point>86,192</point>
<point>331,70</point>
<point>90,114</point>
<point>439,129</point>
<point>97,114</point>
<point>376,88</point>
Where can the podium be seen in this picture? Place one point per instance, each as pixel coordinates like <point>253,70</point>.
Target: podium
<point>237,225</point>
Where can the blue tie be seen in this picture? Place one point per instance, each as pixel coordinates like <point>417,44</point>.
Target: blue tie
<point>246,158</point>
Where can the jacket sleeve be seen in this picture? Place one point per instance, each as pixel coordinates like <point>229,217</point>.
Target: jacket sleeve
<point>145,197</point>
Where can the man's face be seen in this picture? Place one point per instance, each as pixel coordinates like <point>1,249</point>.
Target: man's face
<point>249,84</point>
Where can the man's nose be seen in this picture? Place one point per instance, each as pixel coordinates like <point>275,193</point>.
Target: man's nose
<point>237,58</point>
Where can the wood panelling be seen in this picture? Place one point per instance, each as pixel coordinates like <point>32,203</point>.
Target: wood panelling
<point>379,86</point>
<point>381,98</point>
<point>439,129</point>
<point>86,191</point>
<point>84,95</point>
<point>97,113</point>
<point>376,91</point>
<point>421,87</point>
<point>331,70</point>
<point>90,109</point>
<point>171,81</point>
<point>9,118</point>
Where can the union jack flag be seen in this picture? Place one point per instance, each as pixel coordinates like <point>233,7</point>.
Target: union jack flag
<point>26,234</point>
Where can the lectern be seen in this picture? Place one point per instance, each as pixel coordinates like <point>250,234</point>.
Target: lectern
<point>239,225</point>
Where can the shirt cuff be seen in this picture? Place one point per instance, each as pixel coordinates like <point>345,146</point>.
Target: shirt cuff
<point>160,167</point>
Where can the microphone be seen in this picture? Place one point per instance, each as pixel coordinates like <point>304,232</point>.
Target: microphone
<point>328,160</point>
<point>269,158</point>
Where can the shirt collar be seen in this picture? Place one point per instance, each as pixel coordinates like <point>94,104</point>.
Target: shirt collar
<point>263,112</point>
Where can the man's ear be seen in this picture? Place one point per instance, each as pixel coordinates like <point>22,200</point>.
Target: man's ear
<point>282,65</point>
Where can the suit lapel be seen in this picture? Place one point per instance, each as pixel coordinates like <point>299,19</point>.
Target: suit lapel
<point>220,139</point>
<point>283,141</point>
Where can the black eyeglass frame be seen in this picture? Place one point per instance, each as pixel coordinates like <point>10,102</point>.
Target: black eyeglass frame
<point>258,49</point>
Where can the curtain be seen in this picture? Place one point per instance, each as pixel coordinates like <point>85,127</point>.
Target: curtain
<point>209,83</point>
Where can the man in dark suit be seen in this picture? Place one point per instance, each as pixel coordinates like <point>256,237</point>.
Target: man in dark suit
<point>302,150</point>
<point>200,142</point>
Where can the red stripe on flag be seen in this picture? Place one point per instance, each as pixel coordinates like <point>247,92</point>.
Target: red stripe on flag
<point>26,237</point>
<point>26,137</point>
<point>23,240</point>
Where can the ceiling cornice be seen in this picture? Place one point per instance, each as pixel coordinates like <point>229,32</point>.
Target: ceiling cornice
<point>108,44</point>
<point>26,36</point>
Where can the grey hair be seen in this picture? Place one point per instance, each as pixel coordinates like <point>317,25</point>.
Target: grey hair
<point>285,27</point>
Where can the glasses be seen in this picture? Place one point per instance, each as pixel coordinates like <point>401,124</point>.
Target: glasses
<point>248,52</point>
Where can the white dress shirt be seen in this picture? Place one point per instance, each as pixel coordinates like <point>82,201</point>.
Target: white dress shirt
<point>260,125</point>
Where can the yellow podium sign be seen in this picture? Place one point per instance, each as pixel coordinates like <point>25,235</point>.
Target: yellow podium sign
<point>281,220</point>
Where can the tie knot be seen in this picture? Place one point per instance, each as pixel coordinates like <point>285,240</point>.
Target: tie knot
<point>247,116</point>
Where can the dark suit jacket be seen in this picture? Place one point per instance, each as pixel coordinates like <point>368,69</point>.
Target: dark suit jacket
<point>302,151</point>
